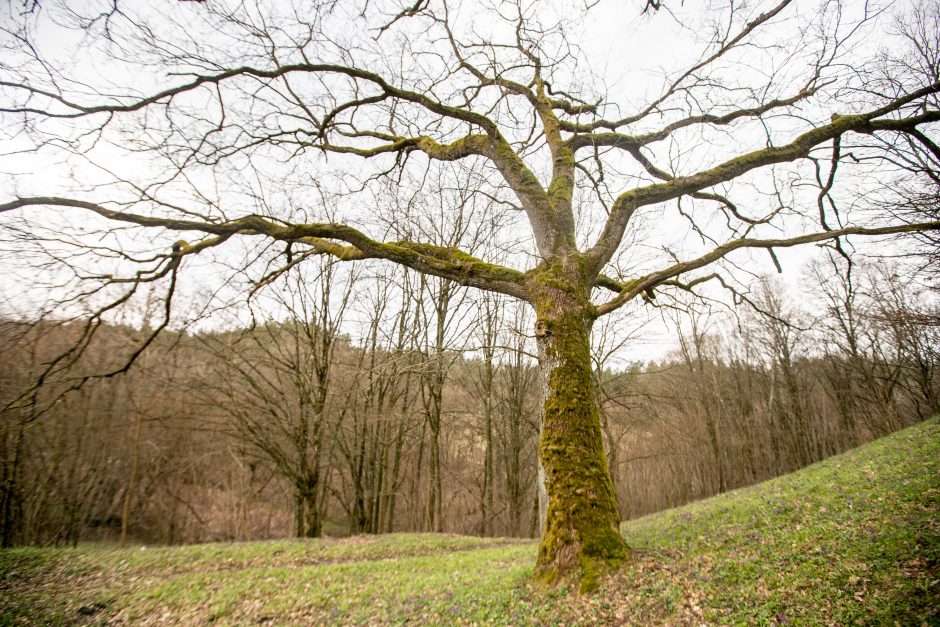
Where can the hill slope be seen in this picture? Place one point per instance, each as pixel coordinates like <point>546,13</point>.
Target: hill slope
<point>855,539</point>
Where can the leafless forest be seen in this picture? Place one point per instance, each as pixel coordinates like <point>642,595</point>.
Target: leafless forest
<point>428,419</point>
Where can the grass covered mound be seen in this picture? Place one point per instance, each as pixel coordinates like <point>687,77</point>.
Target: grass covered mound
<point>852,540</point>
<point>855,539</point>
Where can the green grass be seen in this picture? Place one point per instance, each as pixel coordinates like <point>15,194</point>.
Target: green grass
<point>853,540</point>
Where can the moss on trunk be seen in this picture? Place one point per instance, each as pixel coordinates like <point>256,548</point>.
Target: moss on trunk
<point>582,538</point>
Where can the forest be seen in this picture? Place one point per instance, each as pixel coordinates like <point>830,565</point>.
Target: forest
<point>429,420</point>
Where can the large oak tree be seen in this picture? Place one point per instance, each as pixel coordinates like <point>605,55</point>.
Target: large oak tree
<point>221,123</point>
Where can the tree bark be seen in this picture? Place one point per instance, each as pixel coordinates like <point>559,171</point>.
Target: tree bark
<point>9,487</point>
<point>582,532</point>
<point>486,500</point>
<point>314,522</point>
<point>435,496</point>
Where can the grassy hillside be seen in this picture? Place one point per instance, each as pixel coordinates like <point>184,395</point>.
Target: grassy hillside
<point>853,540</point>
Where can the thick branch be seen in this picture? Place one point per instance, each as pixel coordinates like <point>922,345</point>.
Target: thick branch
<point>624,206</point>
<point>561,187</point>
<point>632,289</point>
<point>622,140</point>
<point>449,263</point>
<point>474,144</point>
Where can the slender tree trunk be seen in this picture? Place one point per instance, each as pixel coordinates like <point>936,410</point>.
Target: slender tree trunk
<point>582,532</point>
<point>301,445</point>
<point>395,481</point>
<point>417,523</point>
<point>379,464</point>
<point>486,498</point>
<point>486,502</point>
<point>490,330</point>
<point>359,515</point>
<point>298,511</point>
<point>314,522</point>
<point>514,480</point>
<point>435,396</point>
<point>131,480</point>
<point>716,452</point>
<point>9,489</point>
<point>537,517</point>
<point>435,509</point>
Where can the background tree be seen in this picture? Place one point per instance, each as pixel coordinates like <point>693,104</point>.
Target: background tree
<point>483,382</point>
<point>189,99</point>
<point>518,397</point>
<point>274,381</point>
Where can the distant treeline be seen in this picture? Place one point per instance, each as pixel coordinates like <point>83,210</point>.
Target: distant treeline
<point>428,419</point>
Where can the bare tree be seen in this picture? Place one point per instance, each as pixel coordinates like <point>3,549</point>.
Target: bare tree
<point>275,379</point>
<point>692,346</point>
<point>517,427</point>
<point>611,335</point>
<point>912,323</point>
<point>376,416</point>
<point>483,381</point>
<point>193,97</point>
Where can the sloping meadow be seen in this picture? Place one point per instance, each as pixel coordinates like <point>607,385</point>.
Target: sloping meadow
<point>852,540</point>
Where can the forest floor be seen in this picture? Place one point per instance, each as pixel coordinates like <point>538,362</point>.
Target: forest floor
<point>852,540</point>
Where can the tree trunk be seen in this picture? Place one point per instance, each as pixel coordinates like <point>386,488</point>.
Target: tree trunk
<point>486,389</point>
<point>582,535</point>
<point>378,465</point>
<point>359,509</point>
<point>132,480</point>
<point>395,480</point>
<point>417,523</point>
<point>314,523</point>
<point>435,497</point>
<point>514,490</point>
<point>9,487</point>
<point>301,445</point>
<point>486,498</point>
<point>298,511</point>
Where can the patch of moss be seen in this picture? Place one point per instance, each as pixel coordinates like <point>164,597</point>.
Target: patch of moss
<point>561,189</point>
<point>582,538</point>
<point>463,147</point>
<point>459,262</point>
